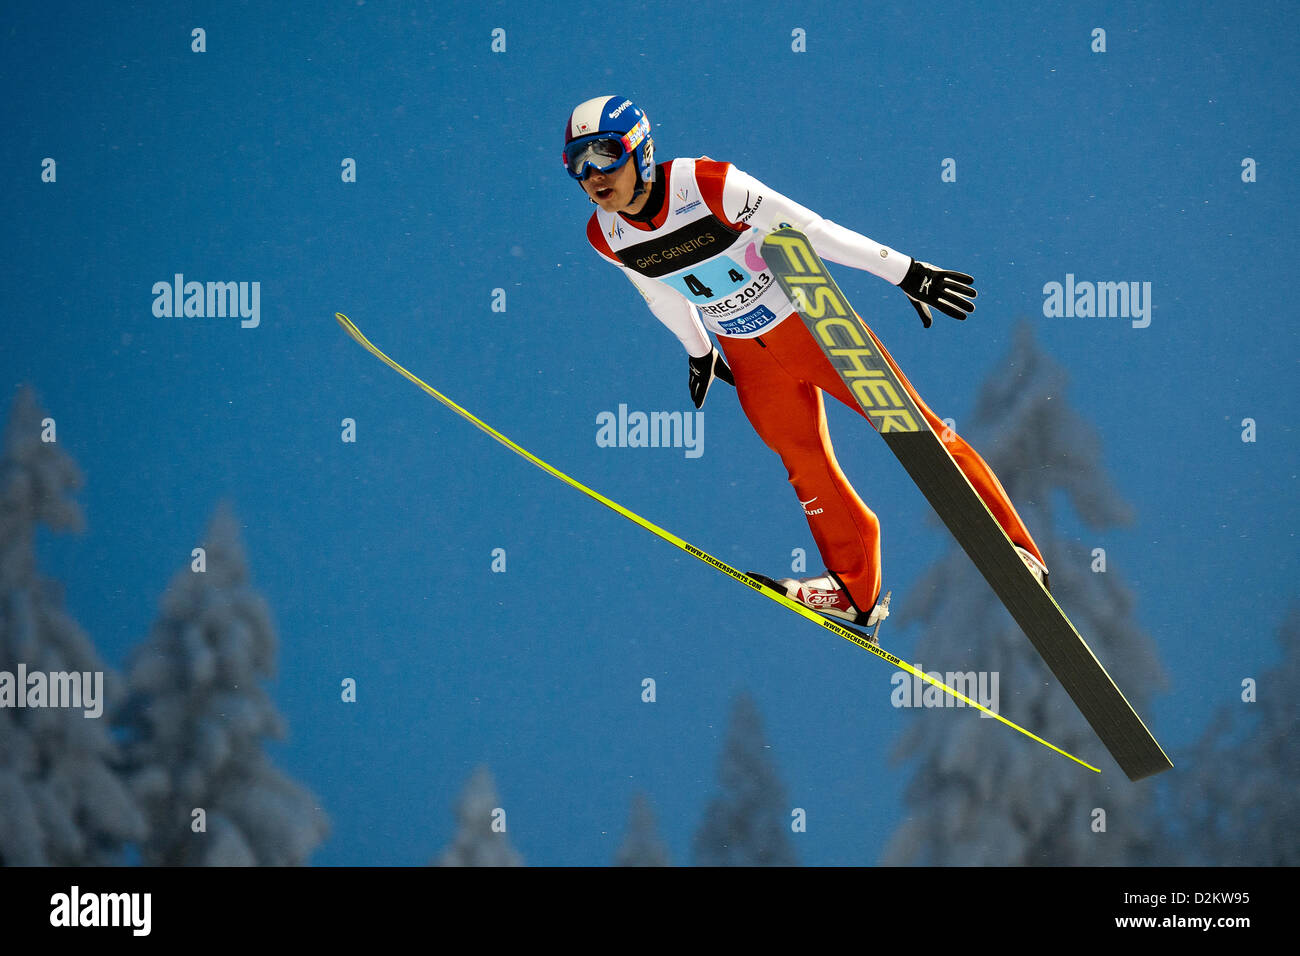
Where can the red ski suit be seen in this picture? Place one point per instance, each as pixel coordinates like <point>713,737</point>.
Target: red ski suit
<point>693,253</point>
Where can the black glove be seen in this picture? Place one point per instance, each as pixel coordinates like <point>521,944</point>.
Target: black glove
<point>949,292</point>
<point>704,370</point>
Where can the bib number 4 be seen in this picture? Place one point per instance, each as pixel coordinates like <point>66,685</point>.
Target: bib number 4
<point>699,289</point>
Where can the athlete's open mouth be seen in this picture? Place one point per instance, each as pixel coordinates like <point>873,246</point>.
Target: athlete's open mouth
<point>604,193</point>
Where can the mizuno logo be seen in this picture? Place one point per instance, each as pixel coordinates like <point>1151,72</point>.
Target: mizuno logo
<point>809,501</point>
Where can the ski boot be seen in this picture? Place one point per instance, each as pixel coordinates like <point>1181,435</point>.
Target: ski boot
<point>1037,567</point>
<point>827,596</point>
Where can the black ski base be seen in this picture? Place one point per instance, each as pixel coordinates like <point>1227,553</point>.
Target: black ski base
<point>885,400</point>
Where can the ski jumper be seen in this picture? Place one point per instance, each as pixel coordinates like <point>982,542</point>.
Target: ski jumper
<point>693,253</point>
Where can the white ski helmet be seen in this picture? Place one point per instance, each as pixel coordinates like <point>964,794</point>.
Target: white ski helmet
<point>604,133</point>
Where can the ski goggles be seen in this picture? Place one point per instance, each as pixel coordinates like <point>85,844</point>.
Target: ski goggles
<point>603,152</point>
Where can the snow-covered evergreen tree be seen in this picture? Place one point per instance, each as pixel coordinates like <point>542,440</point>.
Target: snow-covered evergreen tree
<point>1240,800</point>
<point>61,803</point>
<point>983,795</point>
<point>481,839</point>
<point>748,824</point>
<point>642,845</point>
<point>197,717</point>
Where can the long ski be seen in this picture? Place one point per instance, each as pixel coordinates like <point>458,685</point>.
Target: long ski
<point>861,639</point>
<point>842,335</point>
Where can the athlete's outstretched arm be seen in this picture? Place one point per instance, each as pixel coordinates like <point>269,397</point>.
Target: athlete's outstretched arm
<point>746,200</point>
<point>672,309</point>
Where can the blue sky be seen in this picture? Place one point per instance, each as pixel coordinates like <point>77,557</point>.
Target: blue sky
<point>376,555</point>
